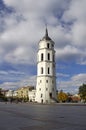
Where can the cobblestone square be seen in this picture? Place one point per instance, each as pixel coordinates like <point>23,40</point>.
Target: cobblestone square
<point>27,116</point>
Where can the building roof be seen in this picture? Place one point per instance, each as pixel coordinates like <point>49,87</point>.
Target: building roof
<point>26,87</point>
<point>46,37</point>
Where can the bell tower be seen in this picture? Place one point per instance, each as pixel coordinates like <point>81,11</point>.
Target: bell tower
<point>46,77</point>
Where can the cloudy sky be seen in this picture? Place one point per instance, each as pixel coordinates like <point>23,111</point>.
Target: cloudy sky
<point>22,25</point>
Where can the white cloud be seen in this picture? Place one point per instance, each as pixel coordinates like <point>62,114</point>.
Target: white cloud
<point>79,34</point>
<point>25,27</point>
<point>70,53</point>
<point>8,85</point>
<point>21,30</point>
<point>73,84</point>
<point>3,72</point>
<point>76,11</point>
<point>11,75</point>
<point>62,75</point>
<point>21,55</point>
<point>30,81</point>
<point>80,78</point>
<point>76,15</point>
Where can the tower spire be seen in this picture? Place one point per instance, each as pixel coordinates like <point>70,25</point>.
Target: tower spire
<point>46,37</point>
<point>46,33</point>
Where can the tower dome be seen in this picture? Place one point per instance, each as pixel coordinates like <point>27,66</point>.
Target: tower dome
<point>46,37</point>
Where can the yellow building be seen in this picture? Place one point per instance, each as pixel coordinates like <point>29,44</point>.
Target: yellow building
<point>23,92</point>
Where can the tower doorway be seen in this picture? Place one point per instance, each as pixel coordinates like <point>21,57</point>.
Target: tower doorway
<point>42,101</point>
<point>50,94</point>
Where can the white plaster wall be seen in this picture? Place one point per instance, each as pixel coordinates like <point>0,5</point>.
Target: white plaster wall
<point>42,79</point>
<point>45,66</point>
<point>42,44</point>
<point>41,89</point>
<point>45,53</point>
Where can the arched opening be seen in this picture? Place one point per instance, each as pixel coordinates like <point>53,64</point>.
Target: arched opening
<point>42,57</point>
<point>48,56</point>
<point>41,100</point>
<point>41,70</point>
<point>48,45</point>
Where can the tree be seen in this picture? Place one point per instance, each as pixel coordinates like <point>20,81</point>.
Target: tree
<point>82,92</point>
<point>1,92</point>
<point>62,97</point>
<point>2,97</point>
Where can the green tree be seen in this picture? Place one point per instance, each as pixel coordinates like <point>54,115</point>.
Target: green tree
<point>82,92</point>
<point>1,93</point>
<point>62,97</point>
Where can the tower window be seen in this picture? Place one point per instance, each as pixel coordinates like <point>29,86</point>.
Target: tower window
<point>46,89</point>
<point>48,56</point>
<point>46,81</point>
<point>41,70</point>
<point>48,70</point>
<point>39,89</point>
<point>41,95</point>
<point>42,57</point>
<point>48,45</point>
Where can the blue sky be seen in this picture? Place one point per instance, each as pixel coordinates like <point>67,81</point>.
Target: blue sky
<point>22,25</point>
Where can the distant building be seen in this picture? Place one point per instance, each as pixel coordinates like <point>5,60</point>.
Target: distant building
<point>23,91</point>
<point>76,98</point>
<point>9,93</point>
<point>32,95</point>
<point>46,75</point>
<point>15,94</point>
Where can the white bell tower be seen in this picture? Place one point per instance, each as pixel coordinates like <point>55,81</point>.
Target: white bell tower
<point>46,77</point>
